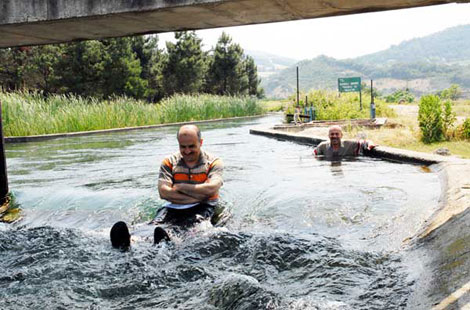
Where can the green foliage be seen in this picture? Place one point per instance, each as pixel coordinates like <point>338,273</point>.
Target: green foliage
<point>399,96</point>
<point>150,57</point>
<point>365,88</point>
<point>451,93</point>
<point>80,68</point>
<point>121,70</point>
<point>184,68</point>
<point>464,129</point>
<point>200,107</point>
<point>227,69</point>
<point>328,106</point>
<point>31,113</point>
<point>448,119</point>
<point>430,119</point>
<point>253,80</point>
<point>130,66</point>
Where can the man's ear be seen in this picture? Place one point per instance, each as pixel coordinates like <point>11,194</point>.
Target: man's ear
<point>200,141</point>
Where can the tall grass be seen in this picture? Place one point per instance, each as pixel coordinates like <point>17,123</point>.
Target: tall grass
<point>27,113</point>
<point>328,106</point>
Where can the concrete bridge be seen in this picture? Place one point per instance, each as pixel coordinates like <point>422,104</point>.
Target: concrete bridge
<point>35,22</point>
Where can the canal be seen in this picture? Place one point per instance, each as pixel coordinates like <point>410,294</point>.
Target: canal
<point>304,233</point>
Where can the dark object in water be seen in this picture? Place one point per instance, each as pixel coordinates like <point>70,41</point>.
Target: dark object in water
<point>120,237</point>
<point>160,234</point>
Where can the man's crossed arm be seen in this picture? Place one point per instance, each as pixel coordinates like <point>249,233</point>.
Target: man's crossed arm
<point>188,193</point>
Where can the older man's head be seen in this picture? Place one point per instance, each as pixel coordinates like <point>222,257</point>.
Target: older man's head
<point>190,142</point>
<point>335,133</point>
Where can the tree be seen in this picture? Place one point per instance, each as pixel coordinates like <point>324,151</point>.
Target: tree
<point>253,80</point>
<point>81,67</point>
<point>185,65</point>
<point>452,93</point>
<point>44,61</point>
<point>146,50</point>
<point>227,70</point>
<point>430,119</point>
<point>122,70</point>
<point>15,67</point>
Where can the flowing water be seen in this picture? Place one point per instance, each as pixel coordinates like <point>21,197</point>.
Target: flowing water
<point>304,233</point>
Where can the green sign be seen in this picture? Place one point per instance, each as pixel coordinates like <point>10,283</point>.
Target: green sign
<point>346,85</point>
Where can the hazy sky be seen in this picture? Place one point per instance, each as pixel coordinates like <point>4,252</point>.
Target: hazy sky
<point>343,36</point>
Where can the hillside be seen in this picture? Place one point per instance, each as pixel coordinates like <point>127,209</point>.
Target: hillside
<point>424,65</point>
<point>448,46</point>
<point>268,63</point>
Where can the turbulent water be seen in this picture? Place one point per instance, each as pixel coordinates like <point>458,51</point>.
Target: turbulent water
<point>305,234</point>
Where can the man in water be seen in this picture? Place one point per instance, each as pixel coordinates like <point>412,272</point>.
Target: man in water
<point>190,180</point>
<point>336,148</point>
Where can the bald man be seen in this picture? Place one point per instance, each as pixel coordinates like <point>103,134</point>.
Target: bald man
<point>189,180</point>
<point>336,148</point>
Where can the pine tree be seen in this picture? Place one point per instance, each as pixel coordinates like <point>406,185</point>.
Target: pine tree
<point>185,65</point>
<point>122,70</point>
<point>81,68</point>
<point>226,74</point>
<point>253,80</point>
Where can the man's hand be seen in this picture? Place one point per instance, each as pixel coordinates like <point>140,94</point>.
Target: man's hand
<point>168,192</point>
<point>188,193</point>
<point>200,191</point>
<point>367,145</point>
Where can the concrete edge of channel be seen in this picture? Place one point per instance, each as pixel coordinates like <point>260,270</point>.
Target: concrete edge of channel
<point>21,139</point>
<point>453,172</point>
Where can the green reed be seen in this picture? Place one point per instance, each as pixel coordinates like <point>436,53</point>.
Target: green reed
<point>27,113</point>
<point>329,106</point>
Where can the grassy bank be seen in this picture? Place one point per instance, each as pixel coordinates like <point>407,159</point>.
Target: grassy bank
<point>27,114</point>
<point>402,131</point>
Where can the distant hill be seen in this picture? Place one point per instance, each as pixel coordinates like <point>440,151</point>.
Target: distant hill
<point>424,65</point>
<point>448,46</point>
<point>269,64</point>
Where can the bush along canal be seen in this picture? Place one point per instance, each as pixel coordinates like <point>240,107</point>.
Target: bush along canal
<point>304,234</point>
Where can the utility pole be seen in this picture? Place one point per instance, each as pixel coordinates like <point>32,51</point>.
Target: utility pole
<point>298,98</point>
<point>372,104</point>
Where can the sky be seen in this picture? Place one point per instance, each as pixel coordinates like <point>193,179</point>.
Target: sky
<point>341,36</point>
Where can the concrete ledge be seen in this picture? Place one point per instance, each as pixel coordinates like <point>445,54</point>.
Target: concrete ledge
<point>21,139</point>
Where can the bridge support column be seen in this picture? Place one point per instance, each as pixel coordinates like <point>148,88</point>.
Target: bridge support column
<point>3,164</point>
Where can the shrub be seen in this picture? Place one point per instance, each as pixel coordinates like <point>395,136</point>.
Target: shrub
<point>430,119</point>
<point>464,130</point>
<point>452,93</point>
<point>448,120</point>
<point>400,95</point>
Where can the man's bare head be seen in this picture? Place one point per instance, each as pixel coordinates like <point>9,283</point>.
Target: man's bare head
<point>189,130</point>
<point>189,140</point>
<point>335,133</point>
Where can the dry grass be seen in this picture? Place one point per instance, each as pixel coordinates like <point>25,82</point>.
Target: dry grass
<point>274,105</point>
<point>403,132</point>
<point>462,108</point>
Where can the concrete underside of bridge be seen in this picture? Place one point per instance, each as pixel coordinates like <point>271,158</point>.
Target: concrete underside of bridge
<point>35,22</point>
